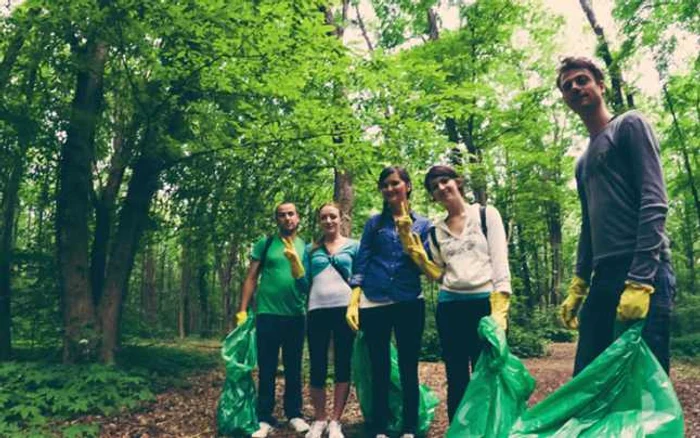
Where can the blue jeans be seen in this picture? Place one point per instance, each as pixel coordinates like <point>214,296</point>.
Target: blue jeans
<point>598,314</point>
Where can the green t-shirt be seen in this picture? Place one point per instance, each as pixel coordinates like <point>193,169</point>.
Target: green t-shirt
<point>278,292</point>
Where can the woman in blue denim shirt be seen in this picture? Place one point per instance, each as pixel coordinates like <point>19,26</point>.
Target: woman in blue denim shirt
<point>387,288</point>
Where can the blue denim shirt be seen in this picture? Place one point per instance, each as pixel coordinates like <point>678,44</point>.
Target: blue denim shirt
<point>383,270</point>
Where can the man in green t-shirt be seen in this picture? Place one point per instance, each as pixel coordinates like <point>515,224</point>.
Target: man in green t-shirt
<point>280,317</point>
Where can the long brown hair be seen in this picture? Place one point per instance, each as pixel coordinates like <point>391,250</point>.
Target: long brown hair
<point>320,240</point>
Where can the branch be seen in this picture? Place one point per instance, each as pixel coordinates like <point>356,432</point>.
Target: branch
<point>361,23</point>
<point>195,155</point>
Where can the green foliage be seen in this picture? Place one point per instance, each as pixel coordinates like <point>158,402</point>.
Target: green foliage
<point>526,343</point>
<point>687,346</point>
<point>35,395</point>
<point>685,317</point>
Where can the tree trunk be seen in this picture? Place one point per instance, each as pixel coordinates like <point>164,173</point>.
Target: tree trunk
<point>105,207</point>
<point>203,290</point>
<point>555,240</point>
<point>433,29</point>
<point>225,267</point>
<point>185,280</point>
<point>73,206</point>
<point>149,300</point>
<point>9,205</point>
<point>525,269</point>
<point>133,216</point>
<point>343,194</point>
<point>10,198</point>
<point>616,80</point>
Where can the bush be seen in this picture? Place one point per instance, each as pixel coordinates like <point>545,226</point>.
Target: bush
<point>526,343</point>
<point>685,320</point>
<point>686,346</point>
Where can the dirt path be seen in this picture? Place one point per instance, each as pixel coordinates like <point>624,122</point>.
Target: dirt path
<point>191,412</point>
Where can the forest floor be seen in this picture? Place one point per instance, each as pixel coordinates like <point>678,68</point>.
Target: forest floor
<point>191,411</point>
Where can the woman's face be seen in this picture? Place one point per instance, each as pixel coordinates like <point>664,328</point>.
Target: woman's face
<point>329,218</point>
<point>445,189</point>
<point>394,189</point>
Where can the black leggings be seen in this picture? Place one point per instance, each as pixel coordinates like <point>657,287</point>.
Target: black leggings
<point>457,324</point>
<point>321,323</point>
<point>407,319</point>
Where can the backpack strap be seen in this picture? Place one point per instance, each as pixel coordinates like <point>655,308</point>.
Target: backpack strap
<point>263,256</point>
<point>484,227</point>
<point>433,238</point>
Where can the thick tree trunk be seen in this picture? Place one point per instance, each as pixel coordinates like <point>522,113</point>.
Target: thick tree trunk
<point>10,198</point>
<point>132,218</point>
<point>73,206</point>
<point>9,206</point>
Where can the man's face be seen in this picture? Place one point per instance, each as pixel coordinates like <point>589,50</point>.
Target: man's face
<point>580,90</point>
<point>287,219</point>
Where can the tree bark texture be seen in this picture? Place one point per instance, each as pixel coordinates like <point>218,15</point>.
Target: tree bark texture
<point>344,195</point>
<point>132,219</point>
<point>73,205</point>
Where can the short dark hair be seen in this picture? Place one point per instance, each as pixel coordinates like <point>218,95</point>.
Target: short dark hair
<point>578,63</point>
<point>442,170</point>
<point>277,208</point>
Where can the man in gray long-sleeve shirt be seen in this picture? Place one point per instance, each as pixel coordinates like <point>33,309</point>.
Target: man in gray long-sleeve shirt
<point>623,208</point>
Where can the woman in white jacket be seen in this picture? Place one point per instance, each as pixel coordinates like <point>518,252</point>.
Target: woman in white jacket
<point>470,246</point>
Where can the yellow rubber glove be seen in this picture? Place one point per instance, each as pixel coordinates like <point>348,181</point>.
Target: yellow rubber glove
<point>568,312</point>
<point>634,302</point>
<point>352,315</point>
<point>500,303</point>
<point>416,252</point>
<point>241,317</point>
<point>404,223</point>
<point>291,253</point>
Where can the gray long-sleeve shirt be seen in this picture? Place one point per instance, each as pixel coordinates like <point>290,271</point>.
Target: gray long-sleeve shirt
<point>623,199</point>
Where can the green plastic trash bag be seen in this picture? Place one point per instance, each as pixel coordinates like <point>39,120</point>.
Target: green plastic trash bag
<point>362,378</point>
<point>235,414</point>
<point>498,392</point>
<point>624,392</point>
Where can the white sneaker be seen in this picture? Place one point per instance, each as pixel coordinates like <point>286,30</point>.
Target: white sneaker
<point>317,429</point>
<point>263,431</point>
<point>408,435</point>
<point>335,430</point>
<point>299,425</point>
<point>381,435</point>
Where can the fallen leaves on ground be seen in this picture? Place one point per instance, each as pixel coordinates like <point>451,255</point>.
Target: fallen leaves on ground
<point>191,412</point>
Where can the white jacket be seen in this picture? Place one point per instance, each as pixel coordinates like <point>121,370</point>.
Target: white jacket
<point>473,265</point>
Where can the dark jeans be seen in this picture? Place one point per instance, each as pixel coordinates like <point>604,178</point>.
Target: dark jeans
<point>407,319</point>
<point>598,314</point>
<point>457,324</point>
<point>272,333</point>
<point>321,325</point>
